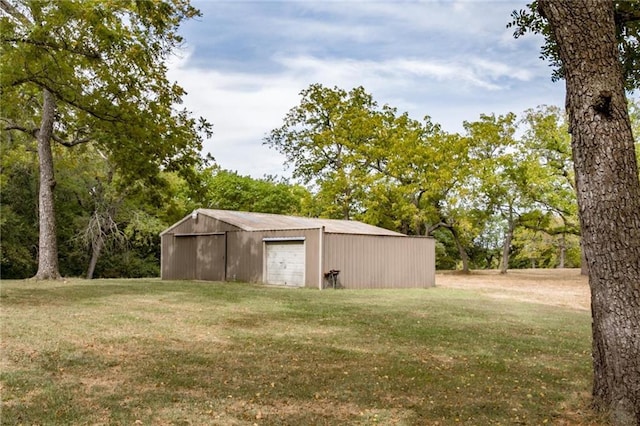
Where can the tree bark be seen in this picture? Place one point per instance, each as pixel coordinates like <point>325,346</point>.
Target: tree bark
<point>506,245</point>
<point>608,196</point>
<point>464,257</point>
<point>584,266</point>
<point>48,246</point>
<point>563,251</point>
<point>96,250</point>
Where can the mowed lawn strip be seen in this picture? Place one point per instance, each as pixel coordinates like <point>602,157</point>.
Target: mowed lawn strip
<point>157,352</point>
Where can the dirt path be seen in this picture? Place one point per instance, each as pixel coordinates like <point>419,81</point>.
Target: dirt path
<point>558,287</point>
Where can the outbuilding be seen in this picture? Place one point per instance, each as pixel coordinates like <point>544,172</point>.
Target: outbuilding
<point>222,245</point>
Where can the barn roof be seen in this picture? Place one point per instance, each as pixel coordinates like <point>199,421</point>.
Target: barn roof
<point>248,221</point>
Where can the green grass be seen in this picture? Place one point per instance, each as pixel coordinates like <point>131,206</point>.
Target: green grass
<point>172,353</point>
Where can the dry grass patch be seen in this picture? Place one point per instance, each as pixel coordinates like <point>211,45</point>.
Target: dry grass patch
<point>168,353</point>
<point>557,287</point>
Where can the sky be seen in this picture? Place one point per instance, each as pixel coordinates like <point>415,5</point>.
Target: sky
<point>244,64</point>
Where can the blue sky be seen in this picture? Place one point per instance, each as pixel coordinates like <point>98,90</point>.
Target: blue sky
<point>244,64</point>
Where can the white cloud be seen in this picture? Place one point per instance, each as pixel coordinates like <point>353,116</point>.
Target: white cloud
<point>451,61</point>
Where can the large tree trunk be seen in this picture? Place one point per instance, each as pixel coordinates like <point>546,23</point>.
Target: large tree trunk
<point>464,257</point>
<point>608,196</point>
<point>48,246</point>
<point>506,244</point>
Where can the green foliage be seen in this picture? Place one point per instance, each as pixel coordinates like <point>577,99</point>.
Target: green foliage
<point>536,249</point>
<point>227,190</point>
<point>105,64</point>
<point>368,162</point>
<point>627,19</point>
<point>18,208</point>
<point>320,138</point>
<point>87,187</point>
<point>374,164</point>
<point>100,67</point>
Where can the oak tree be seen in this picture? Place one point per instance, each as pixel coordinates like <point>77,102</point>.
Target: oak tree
<point>74,72</point>
<point>319,139</point>
<point>596,44</point>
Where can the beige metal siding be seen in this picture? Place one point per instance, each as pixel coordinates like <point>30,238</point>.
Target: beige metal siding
<point>245,254</point>
<point>167,251</point>
<point>183,261</point>
<point>193,257</point>
<point>244,257</point>
<point>210,263</point>
<point>366,261</point>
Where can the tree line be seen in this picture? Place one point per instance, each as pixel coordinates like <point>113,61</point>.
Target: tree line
<point>502,194</point>
<point>89,112</point>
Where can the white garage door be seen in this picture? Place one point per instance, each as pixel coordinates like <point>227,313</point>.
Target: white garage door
<point>284,263</point>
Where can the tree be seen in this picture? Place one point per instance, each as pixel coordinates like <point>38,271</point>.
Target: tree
<point>319,138</point>
<point>596,45</point>
<point>416,168</point>
<point>374,164</point>
<point>228,190</point>
<point>550,180</point>
<point>538,248</point>
<point>76,72</point>
<point>497,173</point>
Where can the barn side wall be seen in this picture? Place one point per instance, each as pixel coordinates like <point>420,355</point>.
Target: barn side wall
<point>245,254</point>
<point>193,257</point>
<point>177,259</point>
<point>372,261</point>
<point>186,255</point>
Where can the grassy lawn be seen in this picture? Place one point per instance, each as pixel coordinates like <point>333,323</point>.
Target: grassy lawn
<point>156,352</point>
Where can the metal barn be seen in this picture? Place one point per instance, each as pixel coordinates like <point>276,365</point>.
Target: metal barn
<point>222,245</point>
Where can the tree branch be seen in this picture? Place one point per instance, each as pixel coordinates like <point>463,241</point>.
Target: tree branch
<point>77,140</point>
<point>91,54</point>
<point>33,131</point>
<point>59,96</point>
<point>69,144</point>
<point>438,225</point>
<point>624,16</point>
<point>12,11</point>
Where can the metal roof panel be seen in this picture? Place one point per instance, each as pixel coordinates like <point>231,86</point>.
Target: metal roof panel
<point>249,221</point>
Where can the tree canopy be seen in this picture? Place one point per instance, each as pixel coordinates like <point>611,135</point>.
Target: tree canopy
<point>77,72</point>
<point>375,164</point>
<point>627,33</point>
<point>105,65</point>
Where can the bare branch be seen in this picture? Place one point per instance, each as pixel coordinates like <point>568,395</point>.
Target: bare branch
<point>69,143</point>
<point>13,12</point>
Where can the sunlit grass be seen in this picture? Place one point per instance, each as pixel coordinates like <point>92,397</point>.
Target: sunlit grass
<point>155,352</point>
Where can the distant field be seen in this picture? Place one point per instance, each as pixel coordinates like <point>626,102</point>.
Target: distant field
<point>478,350</point>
